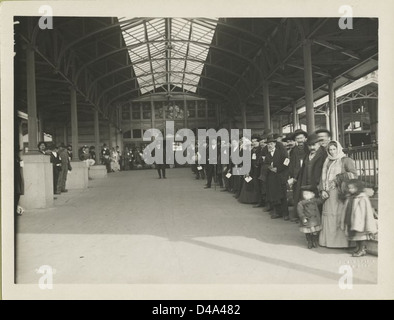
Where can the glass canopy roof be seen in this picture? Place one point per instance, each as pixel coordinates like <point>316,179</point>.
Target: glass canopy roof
<point>168,52</point>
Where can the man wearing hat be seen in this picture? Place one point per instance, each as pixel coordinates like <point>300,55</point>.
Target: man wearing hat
<point>289,143</point>
<point>65,167</point>
<point>276,172</point>
<point>311,169</point>
<point>296,160</point>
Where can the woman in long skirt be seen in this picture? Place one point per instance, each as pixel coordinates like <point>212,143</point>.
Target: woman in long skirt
<point>336,168</point>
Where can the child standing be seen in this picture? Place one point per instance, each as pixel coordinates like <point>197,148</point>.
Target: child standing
<point>309,214</point>
<point>359,223</point>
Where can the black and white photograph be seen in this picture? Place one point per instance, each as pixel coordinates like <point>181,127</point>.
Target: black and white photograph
<point>198,150</point>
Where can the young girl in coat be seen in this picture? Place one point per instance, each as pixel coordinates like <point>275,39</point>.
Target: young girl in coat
<point>359,222</point>
<point>309,214</point>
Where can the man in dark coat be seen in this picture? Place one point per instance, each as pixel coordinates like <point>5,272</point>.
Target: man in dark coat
<point>213,168</point>
<point>65,167</point>
<point>296,159</point>
<point>311,169</point>
<point>276,169</point>
<point>56,164</point>
<point>161,167</point>
<point>105,157</point>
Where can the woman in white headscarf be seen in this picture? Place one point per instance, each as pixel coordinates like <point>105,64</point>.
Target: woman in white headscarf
<point>337,168</point>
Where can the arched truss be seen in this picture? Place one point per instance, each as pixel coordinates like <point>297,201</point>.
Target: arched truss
<point>245,82</point>
<point>221,95</point>
<point>224,84</point>
<point>238,59</point>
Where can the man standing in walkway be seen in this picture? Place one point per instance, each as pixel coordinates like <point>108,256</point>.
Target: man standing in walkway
<point>296,159</point>
<point>212,165</point>
<point>105,157</point>
<point>276,167</point>
<point>65,167</point>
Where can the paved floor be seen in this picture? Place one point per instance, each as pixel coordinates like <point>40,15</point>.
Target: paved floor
<point>133,228</point>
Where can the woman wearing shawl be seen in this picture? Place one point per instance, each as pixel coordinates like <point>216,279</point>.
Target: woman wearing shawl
<point>335,170</point>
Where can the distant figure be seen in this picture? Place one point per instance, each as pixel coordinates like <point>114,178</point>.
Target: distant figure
<point>105,157</point>
<point>56,165</point>
<point>161,167</point>
<point>65,167</point>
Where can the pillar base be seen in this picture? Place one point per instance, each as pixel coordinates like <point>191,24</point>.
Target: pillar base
<point>97,172</point>
<point>78,177</point>
<point>38,180</point>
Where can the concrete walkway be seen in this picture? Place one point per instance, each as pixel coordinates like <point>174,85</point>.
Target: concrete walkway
<point>132,228</point>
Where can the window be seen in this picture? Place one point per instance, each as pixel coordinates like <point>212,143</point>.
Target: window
<point>137,134</point>
<point>191,109</point>
<point>126,112</point>
<point>127,134</point>
<point>158,110</point>
<point>146,111</point>
<point>201,109</point>
<point>136,112</point>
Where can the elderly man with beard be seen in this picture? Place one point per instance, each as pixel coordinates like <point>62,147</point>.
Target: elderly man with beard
<point>296,160</point>
<point>276,170</point>
<point>312,167</point>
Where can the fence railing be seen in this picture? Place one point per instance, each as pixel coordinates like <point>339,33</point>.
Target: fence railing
<point>367,164</point>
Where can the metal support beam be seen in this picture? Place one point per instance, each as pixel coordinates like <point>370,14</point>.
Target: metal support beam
<point>243,110</point>
<point>266,106</point>
<point>32,126</point>
<point>333,112</point>
<point>74,124</point>
<point>310,115</point>
<point>97,134</point>
<point>296,120</point>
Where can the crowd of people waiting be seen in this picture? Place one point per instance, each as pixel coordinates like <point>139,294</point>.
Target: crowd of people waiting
<point>309,173</point>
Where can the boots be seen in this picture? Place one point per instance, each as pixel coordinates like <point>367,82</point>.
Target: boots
<point>315,240</point>
<point>309,239</point>
<point>362,250</point>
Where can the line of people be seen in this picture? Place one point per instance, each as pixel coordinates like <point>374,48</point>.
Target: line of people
<point>309,173</point>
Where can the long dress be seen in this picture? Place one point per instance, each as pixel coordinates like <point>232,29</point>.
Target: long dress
<point>332,235</point>
<point>250,191</point>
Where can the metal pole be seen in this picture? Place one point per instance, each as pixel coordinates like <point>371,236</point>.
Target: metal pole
<point>97,133</point>
<point>266,107</point>
<point>32,127</point>
<point>332,110</point>
<point>74,124</point>
<point>310,115</point>
<point>243,110</point>
<point>296,124</point>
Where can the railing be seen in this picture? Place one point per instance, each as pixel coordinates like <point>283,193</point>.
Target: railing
<point>366,161</point>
